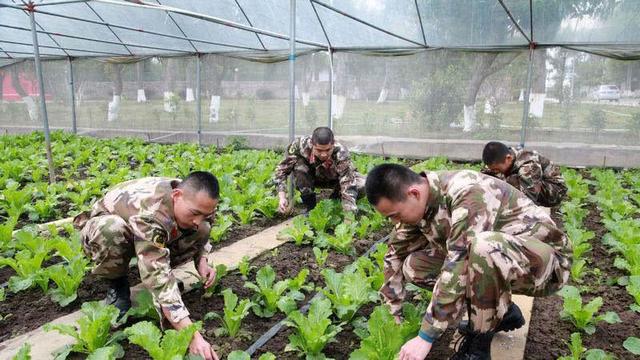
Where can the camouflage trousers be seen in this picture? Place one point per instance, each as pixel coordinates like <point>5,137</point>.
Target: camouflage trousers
<point>108,241</point>
<point>498,265</point>
<point>551,193</point>
<point>307,180</point>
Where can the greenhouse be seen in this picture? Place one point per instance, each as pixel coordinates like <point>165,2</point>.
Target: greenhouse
<point>94,93</point>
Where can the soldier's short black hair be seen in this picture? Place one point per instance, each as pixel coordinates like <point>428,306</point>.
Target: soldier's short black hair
<point>322,136</point>
<point>201,181</point>
<point>389,181</point>
<point>494,152</point>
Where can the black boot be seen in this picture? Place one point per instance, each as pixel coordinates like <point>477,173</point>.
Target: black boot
<point>119,295</point>
<point>474,346</point>
<point>309,201</point>
<point>512,320</point>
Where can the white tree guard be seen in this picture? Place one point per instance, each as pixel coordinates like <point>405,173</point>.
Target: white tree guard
<point>536,108</point>
<point>214,109</point>
<point>31,107</point>
<point>169,106</point>
<point>470,123</point>
<point>114,108</point>
<point>338,103</point>
<point>189,95</point>
<point>142,97</point>
<point>383,96</point>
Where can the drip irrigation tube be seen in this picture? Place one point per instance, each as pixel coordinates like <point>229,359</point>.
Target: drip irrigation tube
<point>277,327</point>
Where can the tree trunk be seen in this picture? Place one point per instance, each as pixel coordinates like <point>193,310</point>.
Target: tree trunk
<point>170,98</point>
<point>141,96</point>
<point>114,105</point>
<point>384,90</point>
<point>563,71</point>
<point>538,86</point>
<point>484,65</point>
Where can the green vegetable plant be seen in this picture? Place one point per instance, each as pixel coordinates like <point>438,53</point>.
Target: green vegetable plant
<point>29,271</point>
<point>299,231</point>
<point>384,337</point>
<point>313,332</point>
<point>67,279</point>
<point>347,291</point>
<point>234,312</point>
<point>245,267</point>
<point>92,332</point>
<point>584,316</point>
<point>321,255</point>
<point>579,352</point>
<point>220,228</point>
<point>171,346</point>
<point>268,292</point>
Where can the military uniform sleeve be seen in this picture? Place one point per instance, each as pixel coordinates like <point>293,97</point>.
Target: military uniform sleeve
<point>347,175</point>
<point>469,216</point>
<point>530,180</point>
<point>154,263</point>
<point>402,239</point>
<point>286,166</point>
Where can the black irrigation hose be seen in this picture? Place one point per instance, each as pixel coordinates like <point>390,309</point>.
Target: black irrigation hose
<point>277,327</point>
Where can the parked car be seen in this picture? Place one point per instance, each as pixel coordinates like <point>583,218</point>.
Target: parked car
<point>608,92</point>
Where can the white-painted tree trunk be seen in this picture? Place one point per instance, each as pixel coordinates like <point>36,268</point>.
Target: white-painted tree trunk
<point>338,103</point>
<point>536,108</point>
<point>383,96</point>
<point>32,109</point>
<point>189,95</point>
<point>305,98</point>
<point>114,108</point>
<point>488,109</point>
<point>142,97</point>
<point>169,105</point>
<point>469,118</point>
<point>214,109</point>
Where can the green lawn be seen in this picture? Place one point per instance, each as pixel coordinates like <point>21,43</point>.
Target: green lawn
<point>392,118</point>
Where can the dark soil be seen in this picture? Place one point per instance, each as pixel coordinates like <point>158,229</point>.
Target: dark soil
<point>30,309</point>
<point>286,260</point>
<point>548,333</point>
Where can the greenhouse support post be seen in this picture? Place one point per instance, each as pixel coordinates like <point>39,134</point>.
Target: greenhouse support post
<point>199,97</point>
<point>292,83</point>
<point>74,126</point>
<point>525,111</point>
<point>43,105</point>
<point>330,88</point>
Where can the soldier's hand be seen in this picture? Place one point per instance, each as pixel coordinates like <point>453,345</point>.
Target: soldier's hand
<point>415,349</point>
<point>283,203</point>
<point>398,319</point>
<point>199,346</point>
<point>207,273</point>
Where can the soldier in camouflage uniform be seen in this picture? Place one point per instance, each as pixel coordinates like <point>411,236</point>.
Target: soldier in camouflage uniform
<point>472,238</point>
<point>163,222</point>
<point>319,161</point>
<point>527,170</point>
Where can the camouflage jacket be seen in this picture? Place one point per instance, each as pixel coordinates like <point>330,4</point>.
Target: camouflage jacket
<point>146,205</point>
<point>461,204</point>
<point>337,167</point>
<point>528,173</point>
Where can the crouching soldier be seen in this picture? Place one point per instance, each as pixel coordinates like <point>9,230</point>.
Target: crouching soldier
<point>472,238</point>
<point>527,170</point>
<point>319,161</point>
<point>163,222</point>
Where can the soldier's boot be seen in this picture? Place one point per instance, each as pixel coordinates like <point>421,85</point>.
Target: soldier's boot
<point>119,295</point>
<point>474,346</point>
<point>512,320</point>
<point>309,201</point>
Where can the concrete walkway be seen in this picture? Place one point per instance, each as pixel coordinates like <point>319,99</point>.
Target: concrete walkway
<point>44,343</point>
